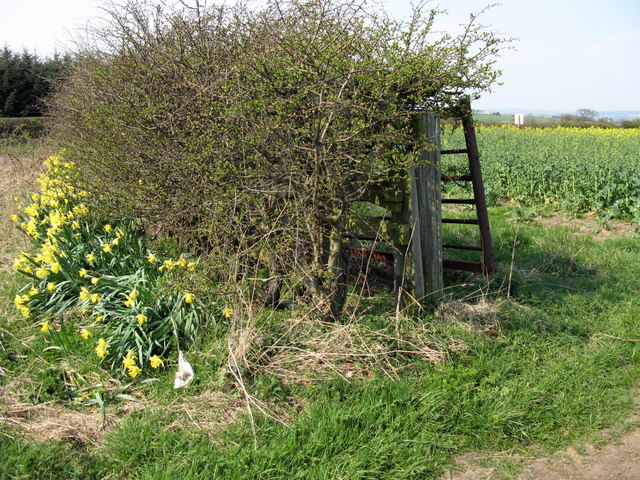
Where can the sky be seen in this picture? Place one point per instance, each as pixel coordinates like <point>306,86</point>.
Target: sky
<point>569,54</point>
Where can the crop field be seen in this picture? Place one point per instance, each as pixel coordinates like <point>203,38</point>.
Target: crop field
<point>576,170</point>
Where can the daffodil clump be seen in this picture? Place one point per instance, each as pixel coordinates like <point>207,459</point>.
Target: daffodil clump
<point>107,274</point>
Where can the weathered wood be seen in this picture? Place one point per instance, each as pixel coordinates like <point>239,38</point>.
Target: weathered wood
<point>426,209</point>
<point>489,262</point>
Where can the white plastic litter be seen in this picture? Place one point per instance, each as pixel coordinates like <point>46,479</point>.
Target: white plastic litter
<point>184,374</point>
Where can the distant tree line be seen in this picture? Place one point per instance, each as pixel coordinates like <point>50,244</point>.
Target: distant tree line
<point>25,79</point>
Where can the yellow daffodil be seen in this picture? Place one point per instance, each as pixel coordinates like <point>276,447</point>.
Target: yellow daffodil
<point>141,317</point>
<point>14,218</point>
<point>129,359</point>
<point>90,258</point>
<point>188,297</point>
<point>20,300</point>
<point>131,298</point>
<point>115,241</point>
<point>95,280</point>
<point>191,266</point>
<point>83,272</point>
<point>86,334</point>
<point>51,286</point>
<point>151,258</point>
<point>227,312</point>
<point>33,291</point>
<point>102,348</point>
<point>182,262</point>
<point>95,298</point>
<point>41,272</point>
<point>45,327</point>
<point>106,248</point>
<point>134,371</point>
<point>107,228</point>
<point>84,294</point>
<point>54,267</point>
<point>155,361</point>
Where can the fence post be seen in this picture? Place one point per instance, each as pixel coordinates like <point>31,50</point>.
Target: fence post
<point>426,217</point>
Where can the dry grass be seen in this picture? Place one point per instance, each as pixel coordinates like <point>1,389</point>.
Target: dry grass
<point>50,421</point>
<point>312,351</point>
<point>18,173</point>
<point>210,412</point>
<point>480,317</point>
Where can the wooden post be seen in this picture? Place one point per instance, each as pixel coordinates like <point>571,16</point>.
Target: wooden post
<point>426,217</point>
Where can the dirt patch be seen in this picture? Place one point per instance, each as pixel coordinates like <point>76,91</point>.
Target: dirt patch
<point>589,224</point>
<point>619,460</point>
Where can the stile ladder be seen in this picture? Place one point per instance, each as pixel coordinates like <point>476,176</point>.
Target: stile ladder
<point>487,263</point>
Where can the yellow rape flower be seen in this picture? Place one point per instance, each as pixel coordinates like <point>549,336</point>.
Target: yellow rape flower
<point>156,361</point>
<point>86,334</point>
<point>45,327</point>
<point>188,297</point>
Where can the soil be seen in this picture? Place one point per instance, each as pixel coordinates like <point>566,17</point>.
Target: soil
<point>617,458</point>
<point>588,224</point>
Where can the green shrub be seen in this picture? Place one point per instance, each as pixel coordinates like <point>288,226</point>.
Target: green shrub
<point>248,134</point>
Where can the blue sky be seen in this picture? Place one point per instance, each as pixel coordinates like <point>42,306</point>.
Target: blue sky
<point>570,54</point>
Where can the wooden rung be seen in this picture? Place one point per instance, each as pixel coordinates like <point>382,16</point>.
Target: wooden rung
<point>449,152</point>
<point>462,221</point>
<point>465,265</point>
<point>468,201</point>
<point>462,247</point>
<point>459,178</point>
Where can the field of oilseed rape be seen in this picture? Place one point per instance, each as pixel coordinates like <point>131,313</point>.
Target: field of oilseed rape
<point>95,282</point>
<point>577,170</point>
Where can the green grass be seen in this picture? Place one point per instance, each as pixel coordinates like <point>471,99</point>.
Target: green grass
<point>550,367</point>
